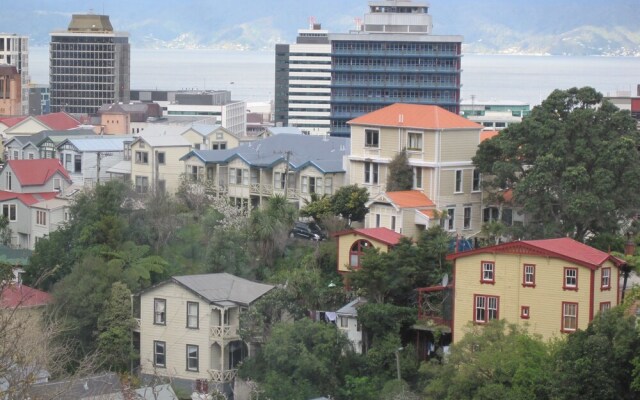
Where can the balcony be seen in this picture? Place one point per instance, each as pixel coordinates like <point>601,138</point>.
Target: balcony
<point>219,376</point>
<point>396,68</point>
<point>391,84</point>
<point>224,332</point>
<point>392,100</point>
<point>395,53</point>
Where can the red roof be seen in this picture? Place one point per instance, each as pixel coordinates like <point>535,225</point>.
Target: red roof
<point>28,199</point>
<point>563,248</point>
<point>485,135</point>
<point>15,295</point>
<point>36,172</point>
<point>59,121</point>
<point>415,116</point>
<point>12,121</point>
<point>410,199</point>
<point>384,235</point>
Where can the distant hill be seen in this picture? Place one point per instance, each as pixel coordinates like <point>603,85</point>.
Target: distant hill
<point>573,27</point>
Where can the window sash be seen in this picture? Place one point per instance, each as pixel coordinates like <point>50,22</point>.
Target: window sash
<point>529,274</point>
<point>371,138</point>
<point>467,218</point>
<point>569,316</point>
<point>487,272</point>
<point>192,357</point>
<point>159,311</point>
<point>571,277</point>
<point>192,314</point>
<point>606,278</point>
<point>159,353</point>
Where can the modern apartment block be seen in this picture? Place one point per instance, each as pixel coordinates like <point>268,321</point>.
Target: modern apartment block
<point>14,50</point>
<point>303,82</point>
<point>89,65</point>
<point>392,57</point>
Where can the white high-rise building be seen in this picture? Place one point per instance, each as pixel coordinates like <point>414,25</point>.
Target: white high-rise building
<point>89,65</point>
<point>303,82</point>
<point>14,50</point>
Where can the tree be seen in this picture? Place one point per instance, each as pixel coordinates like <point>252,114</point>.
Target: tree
<point>571,164</point>
<point>317,208</point>
<point>349,202</point>
<point>302,360</point>
<point>598,363</point>
<point>114,326</point>
<point>495,361</point>
<point>400,173</point>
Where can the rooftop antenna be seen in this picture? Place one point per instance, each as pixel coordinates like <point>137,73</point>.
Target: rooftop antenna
<point>312,22</point>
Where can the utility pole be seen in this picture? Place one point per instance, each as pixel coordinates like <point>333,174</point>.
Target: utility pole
<point>286,174</point>
<point>98,156</point>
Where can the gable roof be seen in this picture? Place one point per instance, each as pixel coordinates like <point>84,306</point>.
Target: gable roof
<point>222,289</point>
<point>11,121</point>
<point>564,248</point>
<point>105,386</point>
<point>488,134</point>
<point>163,140</point>
<point>98,143</point>
<point>27,199</point>
<point>60,121</point>
<point>37,172</point>
<point>325,153</point>
<point>417,116</point>
<point>383,235</point>
<point>19,296</point>
<point>351,309</point>
<point>410,199</point>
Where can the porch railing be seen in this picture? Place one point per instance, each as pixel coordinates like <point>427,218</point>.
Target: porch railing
<point>222,376</point>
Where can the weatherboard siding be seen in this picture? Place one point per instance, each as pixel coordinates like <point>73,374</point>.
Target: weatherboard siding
<point>458,145</point>
<point>545,299</point>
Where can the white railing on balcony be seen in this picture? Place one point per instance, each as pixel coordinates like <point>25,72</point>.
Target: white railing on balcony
<point>224,331</point>
<point>222,376</point>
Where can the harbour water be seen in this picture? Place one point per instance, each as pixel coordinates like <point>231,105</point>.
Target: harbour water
<point>249,75</point>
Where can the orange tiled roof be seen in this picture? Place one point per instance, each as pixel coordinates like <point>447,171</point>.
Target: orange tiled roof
<point>485,135</point>
<point>415,116</point>
<point>410,199</point>
<point>431,213</point>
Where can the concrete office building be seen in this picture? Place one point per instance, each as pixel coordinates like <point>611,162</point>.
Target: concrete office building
<point>89,65</point>
<point>303,82</point>
<point>14,50</point>
<point>9,91</point>
<point>392,57</point>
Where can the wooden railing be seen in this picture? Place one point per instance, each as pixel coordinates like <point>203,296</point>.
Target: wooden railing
<point>224,331</point>
<point>222,376</point>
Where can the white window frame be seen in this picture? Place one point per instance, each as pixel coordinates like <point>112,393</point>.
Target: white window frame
<point>371,173</point>
<point>569,313</point>
<point>193,315</point>
<point>417,177</point>
<point>458,183</point>
<point>157,344</point>
<point>372,138</point>
<point>414,141</point>
<point>466,218</point>
<point>159,311</point>
<point>7,210</point>
<point>193,362</point>
<point>476,180</point>
<point>41,218</point>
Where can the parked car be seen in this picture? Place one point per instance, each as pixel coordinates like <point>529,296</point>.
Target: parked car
<point>310,231</point>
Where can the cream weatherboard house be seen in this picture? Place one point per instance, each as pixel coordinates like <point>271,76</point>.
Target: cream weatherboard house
<point>189,327</point>
<point>439,145</point>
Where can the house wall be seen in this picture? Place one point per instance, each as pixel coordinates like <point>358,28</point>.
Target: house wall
<point>116,124</point>
<point>222,136</point>
<point>544,300</point>
<point>240,190</point>
<point>171,171</point>
<point>344,245</point>
<point>55,220</point>
<point>351,331</point>
<point>29,126</point>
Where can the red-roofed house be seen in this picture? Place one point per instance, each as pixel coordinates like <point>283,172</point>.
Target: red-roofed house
<point>352,244</point>
<point>554,286</point>
<point>28,191</point>
<point>16,295</point>
<point>405,212</point>
<point>439,145</point>
<point>31,125</point>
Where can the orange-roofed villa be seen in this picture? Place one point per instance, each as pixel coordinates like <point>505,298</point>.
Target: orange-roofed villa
<point>439,144</point>
<point>552,286</point>
<point>353,243</point>
<point>406,212</point>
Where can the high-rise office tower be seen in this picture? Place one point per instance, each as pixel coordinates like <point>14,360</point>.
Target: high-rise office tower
<point>392,57</point>
<point>89,65</point>
<point>14,50</point>
<point>303,81</point>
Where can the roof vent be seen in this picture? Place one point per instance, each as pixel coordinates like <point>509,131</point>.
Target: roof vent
<point>400,118</point>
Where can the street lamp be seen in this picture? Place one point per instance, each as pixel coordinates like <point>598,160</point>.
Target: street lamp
<point>397,352</point>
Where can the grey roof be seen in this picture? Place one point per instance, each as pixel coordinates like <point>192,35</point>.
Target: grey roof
<point>37,138</point>
<point>324,152</point>
<point>205,129</point>
<point>163,129</point>
<point>121,167</point>
<point>165,140</point>
<point>351,309</point>
<point>100,387</point>
<point>159,392</point>
<point>99,143</point>
<point>279,130</point>
<point>224,289</point>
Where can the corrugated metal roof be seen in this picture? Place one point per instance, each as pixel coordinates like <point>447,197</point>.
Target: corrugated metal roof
<point>165,140</point>
<point>100,143</point>
<point>224,289</point>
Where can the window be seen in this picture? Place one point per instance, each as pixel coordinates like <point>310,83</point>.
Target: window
<point>344,322</point>
<point>377,220</point>
<point>450,219</point>
<point>328,186</point>
<point>569,317</point>
<point>467,218</point>
<point>417,177</point>
<point>279,180</point>
<point>159,353</point>
<point>10,212</point>
<point>488,272</point>
<point>41,218</point>
<point>15,154</point>
<point>529,275</point>
<point>605,279</point>
<point>356,252</point>
<point>393,222</point>
<point>486,308</point>
<point>219,146</point>
<point>475,185</point>
<point>192,357</point>
<point>9,180</point>
<point>77,163</point>
<point>31,156</point>
<point>415,141</point>
<point>142,157</point>
<point>371,138</point>
<point>371,173</point>
<point>160,158</point>
<point>57,184</point>
<point>524,312</point>
<point>159,311</point>
<point>193,314</point>
<point>458,187</point>
<point>605,306</point>
<point>570,279</point>
<point>142,184</point>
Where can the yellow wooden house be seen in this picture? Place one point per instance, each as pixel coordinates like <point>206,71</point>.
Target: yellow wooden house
<point>354,242</point>
<point>553,286</point>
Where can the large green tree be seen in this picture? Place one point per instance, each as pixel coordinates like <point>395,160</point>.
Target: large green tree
<point>573,164</point>
<point>349,202</point>
<point>114,326</point>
